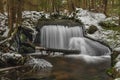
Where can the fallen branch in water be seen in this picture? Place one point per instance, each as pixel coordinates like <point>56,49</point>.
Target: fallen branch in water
<point>65,51</point>
<point>9,68</point>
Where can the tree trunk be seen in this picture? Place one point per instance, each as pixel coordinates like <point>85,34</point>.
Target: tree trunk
<point>92,4</point>
<point>4,5</point>
<point>14,15</point>
<point>71,5</point>
<point>119,19</point>
<point>105,6</point>
<point>11,15</point>
<point>119,11</point>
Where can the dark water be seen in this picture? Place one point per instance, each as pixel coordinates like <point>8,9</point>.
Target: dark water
<point>68,69</point>
<point>74,69</point>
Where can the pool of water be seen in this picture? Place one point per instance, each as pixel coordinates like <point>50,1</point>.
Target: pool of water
<point>69,69</point>
<point>78,69</point>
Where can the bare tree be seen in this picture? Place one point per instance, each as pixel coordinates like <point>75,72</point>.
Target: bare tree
<point>105,2</point>
<point>14,15</point>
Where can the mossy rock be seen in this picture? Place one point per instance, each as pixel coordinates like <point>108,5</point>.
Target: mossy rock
<point>27,48</point>
<point>92,29</point>
<point>113,73</point>
<point>55,16</point>
<point>107,24</point>
<point>114,55</point>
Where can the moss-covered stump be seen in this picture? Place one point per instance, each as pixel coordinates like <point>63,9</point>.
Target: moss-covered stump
<point>92,29</point>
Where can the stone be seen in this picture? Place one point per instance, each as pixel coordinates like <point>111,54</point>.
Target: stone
<point>92,29</point>
<point>38,64</point>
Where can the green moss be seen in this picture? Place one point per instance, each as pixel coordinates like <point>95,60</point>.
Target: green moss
<point>92,29</point>
<point>113,57</point>
<point>113,28</point>
<point>108,25</point>
<point>111,72</point>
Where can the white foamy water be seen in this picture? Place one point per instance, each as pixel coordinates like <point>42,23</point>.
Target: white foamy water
<point>56,36</point>
<point>71,38</point>
<point>90,59</point>
<point>88,47</point>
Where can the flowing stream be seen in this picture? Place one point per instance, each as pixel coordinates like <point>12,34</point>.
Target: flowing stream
<point>71,38</point>
<point>90,64</point>
<point>56,36</point>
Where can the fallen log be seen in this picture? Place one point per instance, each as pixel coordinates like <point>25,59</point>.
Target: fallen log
<point>64,51</point>
<point>9,68</point>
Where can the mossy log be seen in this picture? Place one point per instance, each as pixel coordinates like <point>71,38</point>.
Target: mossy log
<point>51,50</point>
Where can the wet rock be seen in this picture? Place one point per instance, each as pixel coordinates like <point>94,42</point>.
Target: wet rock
<point>37,65</point>
<point>35,69</point>
<point>92,29</point>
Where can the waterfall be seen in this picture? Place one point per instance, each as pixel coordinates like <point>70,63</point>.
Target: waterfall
<point>88,47</point>
<point>57,36</point>
<point>71,38</point>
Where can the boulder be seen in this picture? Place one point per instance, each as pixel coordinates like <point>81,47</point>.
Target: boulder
<point>38,64</point>
<point>92,29</point>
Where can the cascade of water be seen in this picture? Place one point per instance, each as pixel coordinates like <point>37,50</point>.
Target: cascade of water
<point>57,36</point>
<point>88,47</point>
<point>63,37</point>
